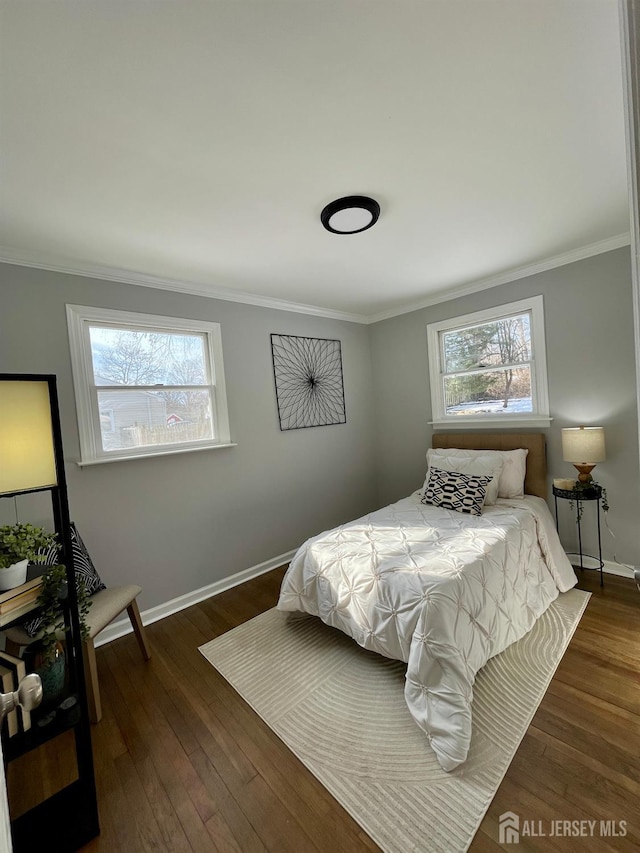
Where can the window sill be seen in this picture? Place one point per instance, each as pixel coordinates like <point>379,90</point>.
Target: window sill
<point>507,422</point>
<point>172,452</point>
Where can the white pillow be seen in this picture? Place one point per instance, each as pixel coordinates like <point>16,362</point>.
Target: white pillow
<point>467,463</point>
<point>514,467</point>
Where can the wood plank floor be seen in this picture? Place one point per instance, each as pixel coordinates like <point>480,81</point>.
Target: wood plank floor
<point>182,763</point>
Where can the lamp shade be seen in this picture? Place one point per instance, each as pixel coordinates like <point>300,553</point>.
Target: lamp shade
<point>27,459</point>
<point>583,445</point>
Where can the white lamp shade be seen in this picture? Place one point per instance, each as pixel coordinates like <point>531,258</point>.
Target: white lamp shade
<point>583,445</point>
<point>27,459</point>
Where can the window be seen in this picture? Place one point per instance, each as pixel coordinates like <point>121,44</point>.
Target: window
<point>489,368</point>
<point>146,385</point>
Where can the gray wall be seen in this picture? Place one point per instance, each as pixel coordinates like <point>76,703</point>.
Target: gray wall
<point>177,523</point>
<point>590,356</point>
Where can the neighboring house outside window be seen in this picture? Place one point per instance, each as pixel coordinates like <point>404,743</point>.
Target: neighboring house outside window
<point>489,368</point>
<point>145,384</point>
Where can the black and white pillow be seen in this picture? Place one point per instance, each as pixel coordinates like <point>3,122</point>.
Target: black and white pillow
<point>84,569</point>
<point>460,492</point>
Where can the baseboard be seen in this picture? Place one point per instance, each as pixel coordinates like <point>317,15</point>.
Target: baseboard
<point>610,567</point>
<point>123,626</point>
<point>618,569</point>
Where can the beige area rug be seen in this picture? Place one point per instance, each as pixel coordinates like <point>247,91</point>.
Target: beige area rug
<point>342,711</point>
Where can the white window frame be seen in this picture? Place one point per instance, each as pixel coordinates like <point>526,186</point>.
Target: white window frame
<point>539,417</point>
<point>79,320</point>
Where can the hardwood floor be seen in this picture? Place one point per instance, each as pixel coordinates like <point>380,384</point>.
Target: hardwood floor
<point>182,763</point>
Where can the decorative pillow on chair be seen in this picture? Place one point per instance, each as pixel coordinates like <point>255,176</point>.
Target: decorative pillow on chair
<point>460,492</point>
<point>84,569</point>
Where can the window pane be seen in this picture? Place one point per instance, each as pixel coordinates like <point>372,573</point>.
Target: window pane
<point>141,418</point>
<point>128,357</point>
<point>492,393</point>
<point>506,341</point>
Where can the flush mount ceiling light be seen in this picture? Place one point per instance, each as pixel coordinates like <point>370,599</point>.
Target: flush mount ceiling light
<point>350,215</point>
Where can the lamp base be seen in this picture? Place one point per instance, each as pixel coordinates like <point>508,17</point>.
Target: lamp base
<point>584,475</point>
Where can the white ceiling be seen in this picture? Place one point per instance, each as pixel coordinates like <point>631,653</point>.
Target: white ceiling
<point>199,141</point>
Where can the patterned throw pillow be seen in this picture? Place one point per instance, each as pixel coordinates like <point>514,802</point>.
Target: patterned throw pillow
<point>460,492</point>
<point>84,568</point>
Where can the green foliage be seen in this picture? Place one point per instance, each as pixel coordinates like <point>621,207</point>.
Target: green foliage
<point>53,593</point>
<point>588,487</point>
<point>22,542</point>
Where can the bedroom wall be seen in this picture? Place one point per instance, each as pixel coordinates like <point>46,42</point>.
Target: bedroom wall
<point>591,367</point>
<point>177,523</point>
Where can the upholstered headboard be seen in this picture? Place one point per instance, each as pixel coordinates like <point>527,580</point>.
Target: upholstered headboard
<point>535,482</point>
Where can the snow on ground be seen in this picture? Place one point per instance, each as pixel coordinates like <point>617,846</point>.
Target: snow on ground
<point>492,407</point>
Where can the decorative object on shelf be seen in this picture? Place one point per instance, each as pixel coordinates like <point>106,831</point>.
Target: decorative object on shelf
<point>584,447</point>
<point>350,215</point>
<point>588,492</point>
<point>32,460</point>
<point>21,544</point>
<point>308,377</point>
<point>13,575</point>
<point>88,581</point>
<point>48,662</point>
<point>564,483</point>
<point>28,696</point>
<point>50,618</point>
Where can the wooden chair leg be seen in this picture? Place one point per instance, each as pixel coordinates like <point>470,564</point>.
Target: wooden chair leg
<point>91,677</point>
<point>138,628</point>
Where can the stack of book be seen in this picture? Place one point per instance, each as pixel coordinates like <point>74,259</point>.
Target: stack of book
<point>14,603</point>
<point>12,671</point>
<point>21,599</point>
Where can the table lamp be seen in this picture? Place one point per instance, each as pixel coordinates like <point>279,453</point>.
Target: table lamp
<point>584,447</point>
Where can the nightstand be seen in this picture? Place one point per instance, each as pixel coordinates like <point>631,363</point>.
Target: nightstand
<point>593,493</point>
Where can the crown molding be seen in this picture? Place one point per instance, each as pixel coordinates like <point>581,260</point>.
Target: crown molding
<point>10,256</point>
<point>571,257</point>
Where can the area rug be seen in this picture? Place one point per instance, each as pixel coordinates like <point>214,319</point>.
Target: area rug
<point>341,710</point>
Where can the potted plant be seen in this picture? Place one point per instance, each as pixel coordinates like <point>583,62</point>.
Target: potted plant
<point>21,544</point>
<point>46,655</point>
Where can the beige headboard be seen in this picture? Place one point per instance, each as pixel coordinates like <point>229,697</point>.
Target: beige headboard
<point>535,482</point>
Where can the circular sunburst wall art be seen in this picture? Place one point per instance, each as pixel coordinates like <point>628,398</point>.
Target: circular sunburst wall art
<point>308,376</point>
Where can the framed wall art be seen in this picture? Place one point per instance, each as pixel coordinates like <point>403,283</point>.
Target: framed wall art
<point>309,385</point>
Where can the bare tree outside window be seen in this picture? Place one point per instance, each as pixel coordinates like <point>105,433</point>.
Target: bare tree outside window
<point>486,364</point>
<point>163,374</point>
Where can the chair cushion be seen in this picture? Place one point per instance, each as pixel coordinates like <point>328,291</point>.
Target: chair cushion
<point>105,606</point>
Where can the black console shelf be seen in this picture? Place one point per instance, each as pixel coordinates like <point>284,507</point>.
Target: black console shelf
<point>66,821</point>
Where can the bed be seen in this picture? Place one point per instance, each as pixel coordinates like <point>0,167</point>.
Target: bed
<point>440,589</point>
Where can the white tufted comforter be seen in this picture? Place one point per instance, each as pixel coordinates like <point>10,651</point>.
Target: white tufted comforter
<point>441,590</point>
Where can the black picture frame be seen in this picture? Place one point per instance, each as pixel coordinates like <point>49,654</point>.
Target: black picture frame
<point>309,381</point>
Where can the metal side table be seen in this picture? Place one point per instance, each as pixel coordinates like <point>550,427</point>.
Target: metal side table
<point>593,493</point>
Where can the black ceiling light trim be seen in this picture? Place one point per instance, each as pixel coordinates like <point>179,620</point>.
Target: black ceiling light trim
<point>358,204</point>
